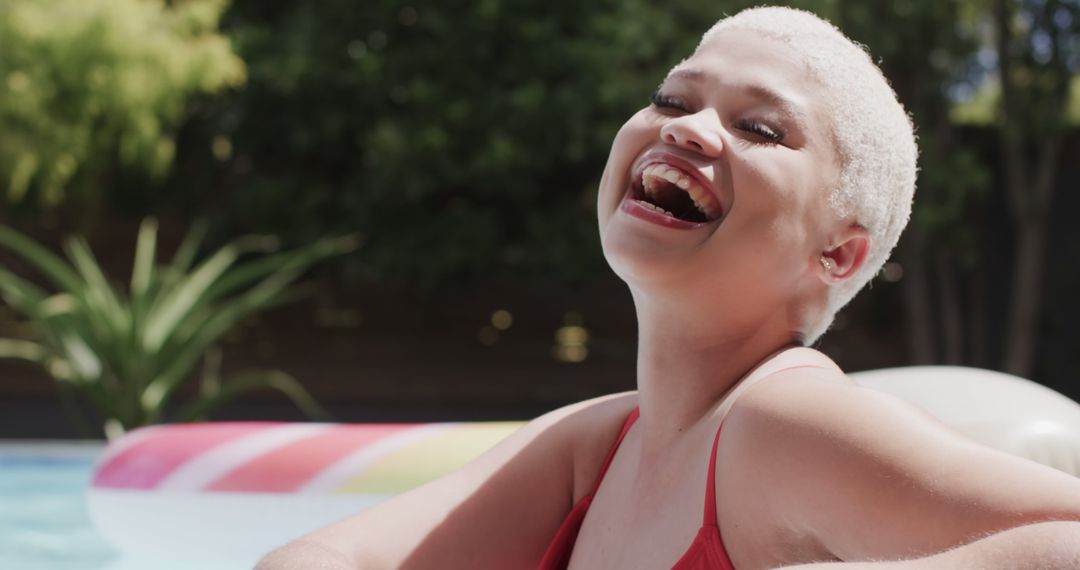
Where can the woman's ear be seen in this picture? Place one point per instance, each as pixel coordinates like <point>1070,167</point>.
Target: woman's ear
<point>845,259</point>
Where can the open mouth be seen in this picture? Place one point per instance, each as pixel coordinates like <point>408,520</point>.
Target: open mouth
<point>666,189</point>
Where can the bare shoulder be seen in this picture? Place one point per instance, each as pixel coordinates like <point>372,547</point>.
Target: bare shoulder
<point>591,427</point>
<point>578,423</point>
<point>798,388</point>
<point>868,475</point>
<point>811,391</point>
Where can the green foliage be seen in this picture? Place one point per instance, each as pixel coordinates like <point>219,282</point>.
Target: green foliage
<point>465,138</point>
<point>130,353</point>
<point>980,109</point>
<point>1044,62</point>
<point>89,84</point>
<point>984,106</point>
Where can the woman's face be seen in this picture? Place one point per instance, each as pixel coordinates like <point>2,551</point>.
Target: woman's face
<point>736,148</point>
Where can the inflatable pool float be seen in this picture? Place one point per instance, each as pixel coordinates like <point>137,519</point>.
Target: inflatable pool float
<point>230,492</point>
<point>216,493</point>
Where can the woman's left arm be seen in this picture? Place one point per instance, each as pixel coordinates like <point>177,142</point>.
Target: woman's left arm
<point>873,478</point>
<point>1049,546</point>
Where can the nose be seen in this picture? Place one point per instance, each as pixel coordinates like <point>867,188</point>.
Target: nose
<point>698,132</point>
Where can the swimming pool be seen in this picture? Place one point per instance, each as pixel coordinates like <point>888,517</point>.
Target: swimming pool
<point>44,522</point>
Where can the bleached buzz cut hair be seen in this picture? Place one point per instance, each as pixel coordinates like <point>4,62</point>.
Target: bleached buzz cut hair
<point>874,136</point>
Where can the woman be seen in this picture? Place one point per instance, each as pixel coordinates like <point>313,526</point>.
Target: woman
<point>763,187</point>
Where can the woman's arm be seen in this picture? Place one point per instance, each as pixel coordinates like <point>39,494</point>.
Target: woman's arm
<point>306,553</point>
<point>1048,546</point>
<point>498,512</point>
<point>870,477</point>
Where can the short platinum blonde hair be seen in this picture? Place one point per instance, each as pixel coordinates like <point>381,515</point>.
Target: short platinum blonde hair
<point>874,136</point>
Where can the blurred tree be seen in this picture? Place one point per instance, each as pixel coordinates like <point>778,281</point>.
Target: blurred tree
<point>1009,67</point>
<point>90,86</point>
<point>1038,53</point>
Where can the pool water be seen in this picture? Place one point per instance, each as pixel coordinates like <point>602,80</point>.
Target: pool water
<point>44,522</point>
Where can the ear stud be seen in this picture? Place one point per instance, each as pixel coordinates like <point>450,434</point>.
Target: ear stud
<point>826,263</point>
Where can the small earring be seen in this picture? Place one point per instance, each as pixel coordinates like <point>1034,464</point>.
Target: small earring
<point>826,263</point>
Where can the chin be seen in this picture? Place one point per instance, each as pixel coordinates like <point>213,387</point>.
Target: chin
<point>642,262</point>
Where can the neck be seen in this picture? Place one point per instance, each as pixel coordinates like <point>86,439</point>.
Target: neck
<point>686,366</point>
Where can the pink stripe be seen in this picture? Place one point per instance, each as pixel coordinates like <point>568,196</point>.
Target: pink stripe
<point>145,464</point>
<point>287,468</point>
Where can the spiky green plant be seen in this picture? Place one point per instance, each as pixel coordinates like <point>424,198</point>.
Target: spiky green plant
<point>129,352</point>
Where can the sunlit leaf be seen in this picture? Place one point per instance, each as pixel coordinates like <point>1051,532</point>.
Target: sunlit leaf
<point>23,350</point>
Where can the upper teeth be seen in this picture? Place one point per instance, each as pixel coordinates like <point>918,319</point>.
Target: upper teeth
<point>653,174</point>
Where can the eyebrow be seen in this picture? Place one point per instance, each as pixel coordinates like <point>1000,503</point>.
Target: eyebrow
<point>791,108</point>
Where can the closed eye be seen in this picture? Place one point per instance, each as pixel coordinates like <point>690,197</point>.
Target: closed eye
<point>763,130</point>
<point>664,101</point>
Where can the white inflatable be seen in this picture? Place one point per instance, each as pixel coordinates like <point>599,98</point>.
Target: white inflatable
<point>1002,411</point>
<point>218,496</point>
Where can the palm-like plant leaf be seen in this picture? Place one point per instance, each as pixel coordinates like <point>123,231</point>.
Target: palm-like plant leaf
<point>164,316</point>
<point>24,350</point>
<point>20,294</point>
<point>244,275</point>
<point>99,293</point>
<point>142,270</point>
<point>109,318</point>
<point>224,319</point>
<point>50,265</point>
<point>189,247</point>
<point>129,353</point>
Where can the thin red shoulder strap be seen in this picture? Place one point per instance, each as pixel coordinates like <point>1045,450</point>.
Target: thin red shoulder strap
<point>611,454</point>
<point>710,488</point>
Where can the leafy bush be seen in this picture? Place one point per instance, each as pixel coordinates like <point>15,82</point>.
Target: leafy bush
<point>89,84</point>
<point>130,353</point>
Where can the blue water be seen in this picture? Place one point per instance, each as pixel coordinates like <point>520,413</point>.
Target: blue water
<point>44,524</point>
<point>44,521</point>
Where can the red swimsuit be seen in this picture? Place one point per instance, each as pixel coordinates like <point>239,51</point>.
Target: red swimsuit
<point>706,552</point>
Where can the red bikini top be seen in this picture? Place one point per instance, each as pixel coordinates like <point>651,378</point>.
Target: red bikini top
<point>706,552</point>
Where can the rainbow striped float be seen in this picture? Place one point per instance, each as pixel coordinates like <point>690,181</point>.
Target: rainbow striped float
<point>233,491</point>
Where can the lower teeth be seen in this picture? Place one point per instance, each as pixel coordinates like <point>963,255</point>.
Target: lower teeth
<point>654,207</point>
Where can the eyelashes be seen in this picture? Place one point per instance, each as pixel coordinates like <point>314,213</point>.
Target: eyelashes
<point>664,101</point>
<point>762,130</point>
<point>769,133</point>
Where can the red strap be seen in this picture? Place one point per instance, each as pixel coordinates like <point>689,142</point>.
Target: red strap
<point>611,454</point>
<point>710,488</point>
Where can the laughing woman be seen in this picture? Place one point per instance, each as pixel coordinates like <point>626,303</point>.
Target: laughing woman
<point>765,184</point>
